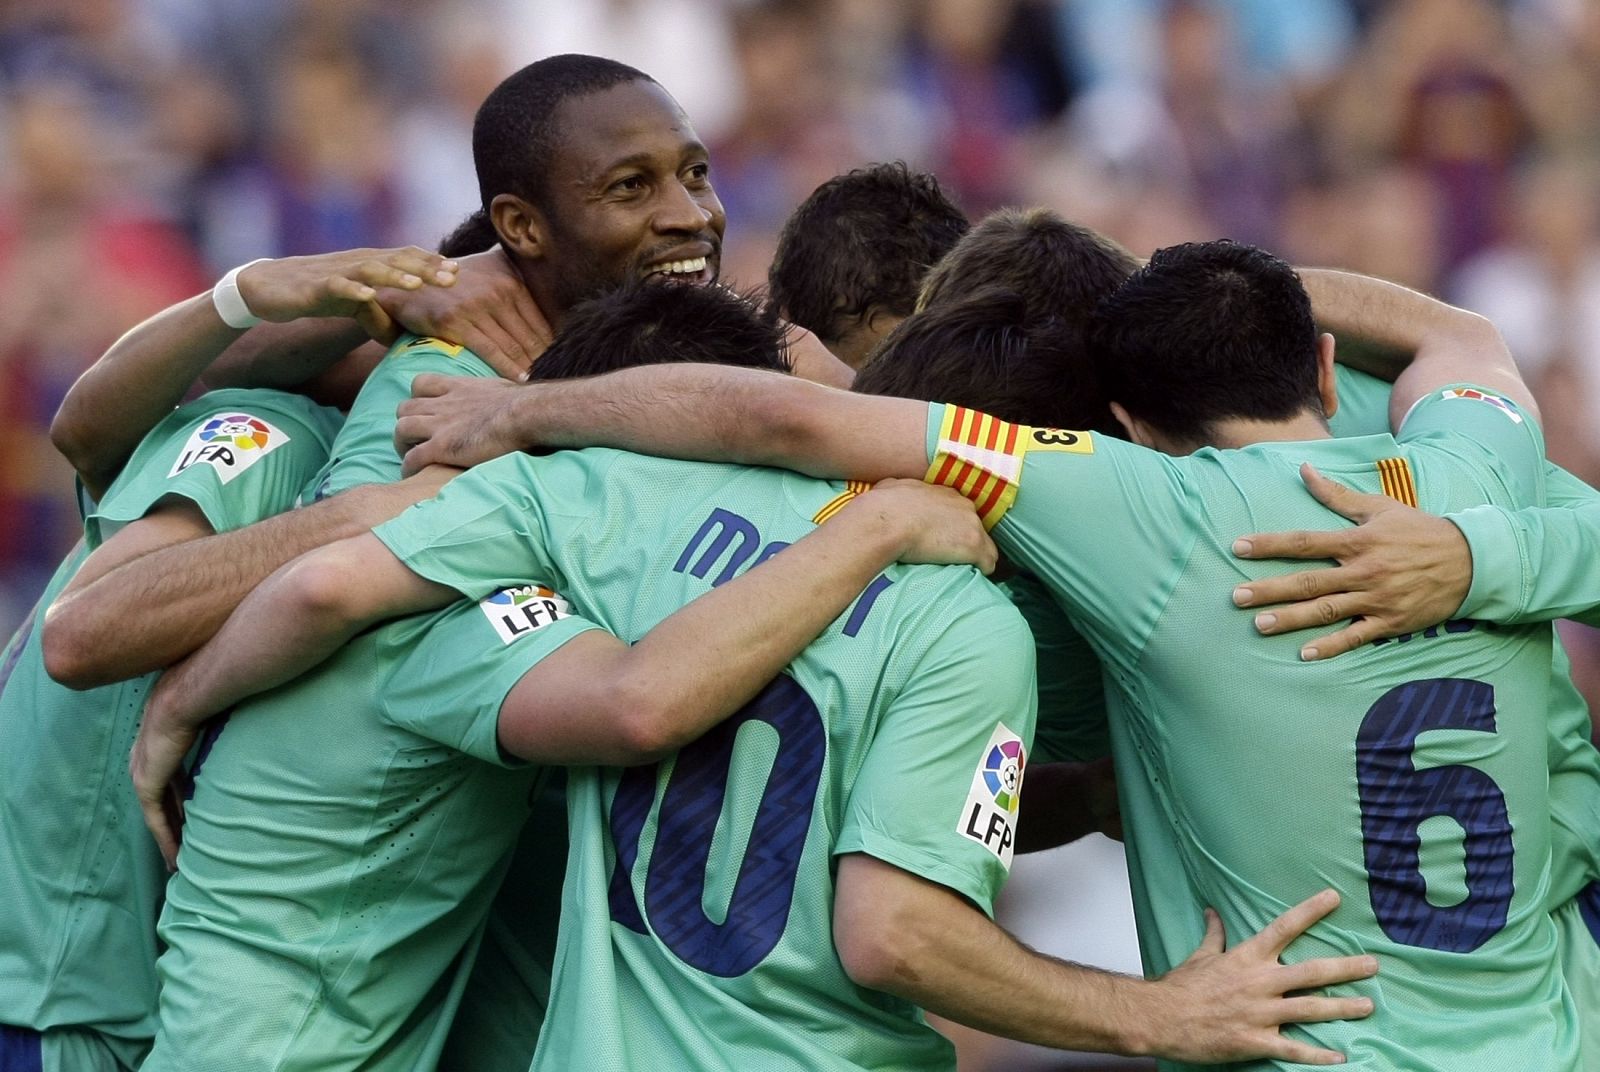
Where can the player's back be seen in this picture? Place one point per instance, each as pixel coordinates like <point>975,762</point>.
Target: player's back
<point>1411,775</point>
<point>334,869</point>
<point>697,920</point>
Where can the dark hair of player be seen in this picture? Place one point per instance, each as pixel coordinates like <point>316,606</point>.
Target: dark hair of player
<point>1059,268</point>
<point>643,323</point>
<point>1205,332</point>
<point>514,135</point>
<point>862,239</point>
<point>985,352</point>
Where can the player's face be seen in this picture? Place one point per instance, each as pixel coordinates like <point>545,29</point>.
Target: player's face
<point>630,195</point>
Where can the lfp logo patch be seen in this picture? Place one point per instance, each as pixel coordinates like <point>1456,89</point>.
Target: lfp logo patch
<point>989,816</point>
<point>230,443</point>
<point>1503,404</point>
<point>519,612</point>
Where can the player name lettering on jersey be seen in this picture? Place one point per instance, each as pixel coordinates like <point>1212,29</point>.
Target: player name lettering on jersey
<point>733,541</point>
<point>989,816</point>
<point>230,443</point>
<point>519,612</point>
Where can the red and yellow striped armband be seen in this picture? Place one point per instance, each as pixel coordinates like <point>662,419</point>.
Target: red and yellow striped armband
<point>981,457</point>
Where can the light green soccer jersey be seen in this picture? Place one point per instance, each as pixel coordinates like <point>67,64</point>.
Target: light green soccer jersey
<point>345,837</point>
<point>364,452</point>
<point>1533,564</point>
<point>697,919</point>
<point>1410,775</point>
<point>80,876</point>
<point>500,1009</point>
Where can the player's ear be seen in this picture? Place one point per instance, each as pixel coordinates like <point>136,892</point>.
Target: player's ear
<point>1137,430</point>
<point>1327,382</point>
<point>522,227</point>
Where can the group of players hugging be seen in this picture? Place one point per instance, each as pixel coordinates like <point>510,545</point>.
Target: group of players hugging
<point>705,744</point>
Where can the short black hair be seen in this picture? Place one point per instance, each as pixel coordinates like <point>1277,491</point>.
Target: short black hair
<point>514,135</point>
<point>1205,332</point>
<point>987,352</point>
<point>644,323</point>
<point>1060,268</point>
<point>861,239</point>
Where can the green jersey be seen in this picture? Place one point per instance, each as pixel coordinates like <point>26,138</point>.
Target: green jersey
<point>500,1011</point>
<point>1533,565</point>
<point>345,837</point>
<point>80,875</point>
<point>364,452</point>
<point>697,918</point>
<point>1410,775</point>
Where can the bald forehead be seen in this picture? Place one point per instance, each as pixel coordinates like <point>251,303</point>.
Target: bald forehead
<point>597,131</point>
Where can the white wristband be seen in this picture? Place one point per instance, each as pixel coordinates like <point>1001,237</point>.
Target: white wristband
<point>230,303</point>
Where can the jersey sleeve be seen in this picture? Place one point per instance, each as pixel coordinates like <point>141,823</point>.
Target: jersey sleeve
<point>446,678</point>
<point>364,452</point>
<point>240,455</point>
<point>1497,425</point>
<point>489,528</point>
<point>940,788</point>
<point>1072,702</point>
<point>1103,524</point>
<point>1536,563</point>
<point>1363,404</point>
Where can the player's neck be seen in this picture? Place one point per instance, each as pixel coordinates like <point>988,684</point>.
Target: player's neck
<point>1243,431</point>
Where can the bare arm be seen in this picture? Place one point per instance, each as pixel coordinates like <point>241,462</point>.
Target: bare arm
<point>708,412</point>
<point>1450,345</point>
<point>596,699</point>
<point>618,705</point>
<point>180,596</point>
<point>488,310</point>
<point>147,371</point>
<point>921,941</point>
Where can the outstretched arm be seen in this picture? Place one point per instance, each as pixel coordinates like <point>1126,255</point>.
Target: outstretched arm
<point>147,371</point>
<point>921,941</point>
<point>596,699</point>
<point>180,596</point>
<point>1449,344</point>
<point>488,310</point>
<point>705,412</point>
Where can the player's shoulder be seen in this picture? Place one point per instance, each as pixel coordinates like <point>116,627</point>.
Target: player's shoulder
<point>957,605</point>
<point>264,407</point>
<point>413,353</point>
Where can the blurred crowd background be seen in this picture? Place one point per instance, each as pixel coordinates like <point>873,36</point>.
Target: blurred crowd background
<point>148,145</point>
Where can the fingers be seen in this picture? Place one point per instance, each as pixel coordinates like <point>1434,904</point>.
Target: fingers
<point>1294,922</point>
<point>429,385</point>
<point>1298,544</point>
<point>1329,610</point>
<point>1357,634</point>
<point>499,348</point>
<point>1216,938</point>
<point>1329,971</point>
<point>377,323</point>
<point>1301,1053</point>
<point>1353,504</point>
<point>1295,588</point>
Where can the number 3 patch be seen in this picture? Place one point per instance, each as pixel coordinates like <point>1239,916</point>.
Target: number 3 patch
<point>1062,440</point>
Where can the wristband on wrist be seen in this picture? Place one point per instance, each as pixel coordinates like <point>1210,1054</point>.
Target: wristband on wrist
<point>230,304</point>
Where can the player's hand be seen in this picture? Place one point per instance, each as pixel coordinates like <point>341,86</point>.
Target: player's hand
<point>936,525</point>
<point>342,284</point>
<point>165,737</point>
<point>458,421</point>
<point>1229,1006</point>
<point>1400,570</point>
<point>488,310</point>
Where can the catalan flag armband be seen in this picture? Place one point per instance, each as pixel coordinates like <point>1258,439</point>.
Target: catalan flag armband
<point>981,457</point>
